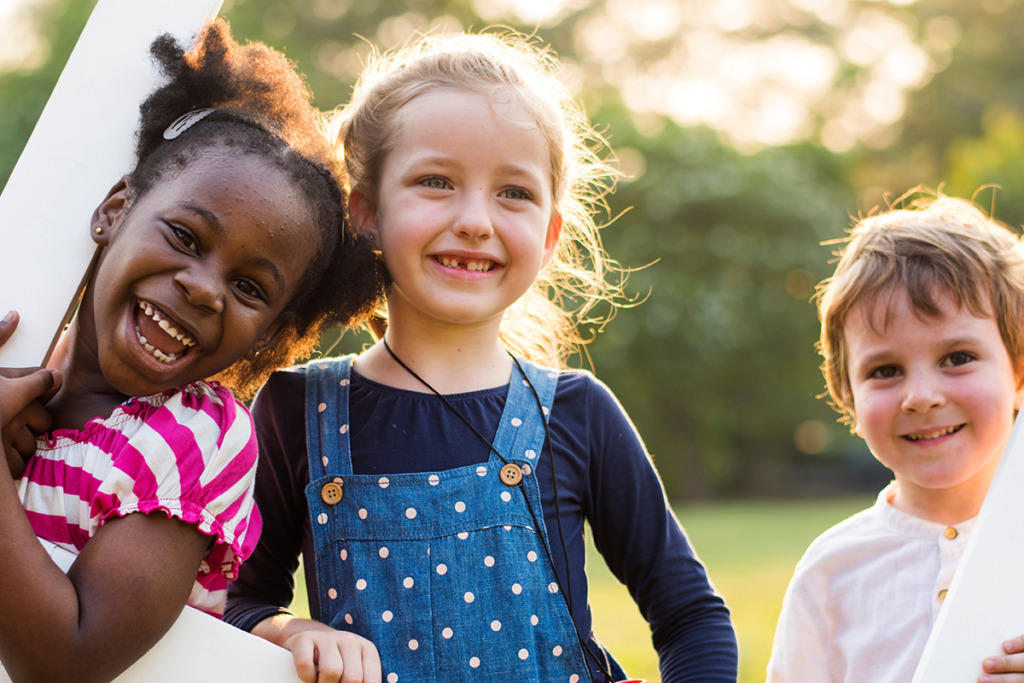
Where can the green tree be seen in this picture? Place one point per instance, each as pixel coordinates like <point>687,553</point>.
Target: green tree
<point>716,365</point>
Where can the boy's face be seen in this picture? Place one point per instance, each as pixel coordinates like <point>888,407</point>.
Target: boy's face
<point>933,398</point>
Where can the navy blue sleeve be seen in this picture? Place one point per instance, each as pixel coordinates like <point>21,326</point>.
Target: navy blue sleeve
<point>266,583</point>
<point>636,533</point>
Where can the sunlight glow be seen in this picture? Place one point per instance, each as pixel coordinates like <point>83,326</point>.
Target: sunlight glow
<point>542,12</point>
<point>768,73</point>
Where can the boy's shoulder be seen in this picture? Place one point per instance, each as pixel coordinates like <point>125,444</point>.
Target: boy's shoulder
<point>864,546</point>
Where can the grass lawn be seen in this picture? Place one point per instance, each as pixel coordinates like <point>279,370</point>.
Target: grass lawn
<point>750,550</point>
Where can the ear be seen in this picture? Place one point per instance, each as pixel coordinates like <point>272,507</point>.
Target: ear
<point>265,340</point>
<point>363,215</point>
<point>856,424</point>
<point>1018,394</point>
<point>551,238</point>
<point>109,213</point>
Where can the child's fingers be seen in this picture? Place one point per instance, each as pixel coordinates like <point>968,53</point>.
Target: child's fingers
<point>1001,678</point>
<point>1011,666</point>
<point>35,419</point>
<point>19,444</point>
<point>303,650</point>
<point>1014,645</point>
<point>18,392</point>
<point>15,463</point>
<point>330,662</point>
<point>371,664</point>
<point>7,326</point>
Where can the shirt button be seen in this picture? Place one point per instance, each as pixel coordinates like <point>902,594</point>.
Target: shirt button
<point>942,595</point>
<point>331,493</point>
<point>511,475</point>
<point>950,533</point>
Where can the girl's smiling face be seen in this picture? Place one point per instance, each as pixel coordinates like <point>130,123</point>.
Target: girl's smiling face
<point>196,272</point>
<point>464,214</point>
<point>934,397</point>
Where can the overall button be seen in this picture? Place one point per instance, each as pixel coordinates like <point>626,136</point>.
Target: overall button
<point>951,533</point>
<point>331,493</point>
<point>511,475</point>
<point>942,595</point>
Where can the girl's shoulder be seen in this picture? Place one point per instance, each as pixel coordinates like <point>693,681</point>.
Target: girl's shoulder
<point>207,410</point>
<point>583,386</point>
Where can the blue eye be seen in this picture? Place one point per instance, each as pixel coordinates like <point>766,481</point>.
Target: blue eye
<point>516,193</point>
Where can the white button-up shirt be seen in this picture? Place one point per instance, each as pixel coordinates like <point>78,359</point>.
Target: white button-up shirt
<point>864,597</point>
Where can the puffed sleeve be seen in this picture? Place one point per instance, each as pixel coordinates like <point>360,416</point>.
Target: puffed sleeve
<point>193,457</point>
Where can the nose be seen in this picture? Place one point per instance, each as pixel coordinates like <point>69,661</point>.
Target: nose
<point>200,287</point>
<point>923,392</point>
<point>473,221</point>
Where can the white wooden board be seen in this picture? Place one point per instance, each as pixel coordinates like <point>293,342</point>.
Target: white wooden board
<point>80,147</point>
<point>985,603</point>
<point>201,648</point>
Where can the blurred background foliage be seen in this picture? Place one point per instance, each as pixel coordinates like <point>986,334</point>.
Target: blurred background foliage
<point>749,132</point>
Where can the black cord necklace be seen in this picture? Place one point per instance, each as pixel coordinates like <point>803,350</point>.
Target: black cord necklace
<point>605,667</point>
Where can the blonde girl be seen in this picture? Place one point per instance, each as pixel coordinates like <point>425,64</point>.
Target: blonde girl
<point>438,484</point>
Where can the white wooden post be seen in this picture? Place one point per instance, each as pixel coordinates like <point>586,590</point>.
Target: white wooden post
<point>985,602</point>
<point>81,146</point>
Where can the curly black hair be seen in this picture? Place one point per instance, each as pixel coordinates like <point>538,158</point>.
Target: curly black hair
<point>262,108</point>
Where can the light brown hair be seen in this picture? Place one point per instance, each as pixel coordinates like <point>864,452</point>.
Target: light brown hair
<point>939,246</point>
<point>542,325</point>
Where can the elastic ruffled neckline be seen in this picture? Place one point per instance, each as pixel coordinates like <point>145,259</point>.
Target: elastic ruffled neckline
<point>127,410</point>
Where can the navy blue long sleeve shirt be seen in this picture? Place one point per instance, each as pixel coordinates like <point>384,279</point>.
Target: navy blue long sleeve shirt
<point>604,474</point>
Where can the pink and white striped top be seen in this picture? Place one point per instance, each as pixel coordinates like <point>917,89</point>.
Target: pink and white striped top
<point>189,452</point>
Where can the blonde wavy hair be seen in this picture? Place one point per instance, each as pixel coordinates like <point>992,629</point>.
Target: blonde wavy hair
<point>940,246</point>
<point>543,325</point>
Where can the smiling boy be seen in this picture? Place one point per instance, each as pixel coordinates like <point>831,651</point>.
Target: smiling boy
<point>923,355</point>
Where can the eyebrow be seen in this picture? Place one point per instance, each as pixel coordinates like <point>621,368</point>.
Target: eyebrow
<point>209,217</point>
<point>885,355</point>
<point>211,220</point>
<point>447,162</point>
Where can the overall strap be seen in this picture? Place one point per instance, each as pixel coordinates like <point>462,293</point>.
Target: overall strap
<point>327,443</point>
<point>521,432</point>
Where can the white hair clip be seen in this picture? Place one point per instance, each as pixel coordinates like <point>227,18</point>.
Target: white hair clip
<point>183,123</point>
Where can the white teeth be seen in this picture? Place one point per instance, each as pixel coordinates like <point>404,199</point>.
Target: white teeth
<point>165,324</point>
<point>933,435</point>
<point>170,329</point>
<point>476,266</point>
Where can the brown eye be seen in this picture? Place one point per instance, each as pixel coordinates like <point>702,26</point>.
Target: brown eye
<point>884,372</point>
<point>248,289</point>
<point>185,238</point>
<point>436,183</point>
<point>960,358</point>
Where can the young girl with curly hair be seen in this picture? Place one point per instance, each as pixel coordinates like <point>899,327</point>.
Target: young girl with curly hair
<point>223,254</point>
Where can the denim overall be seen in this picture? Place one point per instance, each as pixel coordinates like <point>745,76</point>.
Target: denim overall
<point>447,573</point>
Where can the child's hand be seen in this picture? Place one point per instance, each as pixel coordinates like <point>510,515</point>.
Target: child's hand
<point>330,656</point>
<point>322,654</point>
<point>1005,669</point>
<point>22,415</point>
